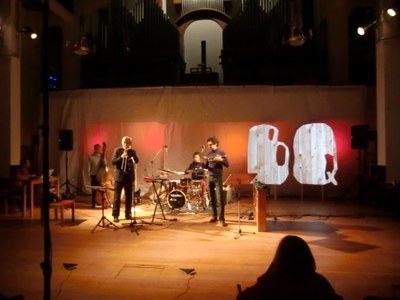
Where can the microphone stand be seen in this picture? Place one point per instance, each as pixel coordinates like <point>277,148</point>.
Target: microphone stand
<point>154,158</point>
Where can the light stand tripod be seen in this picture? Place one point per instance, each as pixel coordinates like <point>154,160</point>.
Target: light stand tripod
<point>165,147</point>
<point>103,222</point>
<point>68,194</point>
<point>235,180</point>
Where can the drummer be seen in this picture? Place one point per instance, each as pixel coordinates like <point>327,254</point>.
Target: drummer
<point>196,168</point>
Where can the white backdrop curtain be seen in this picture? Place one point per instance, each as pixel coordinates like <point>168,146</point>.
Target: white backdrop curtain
<point>184,117</point>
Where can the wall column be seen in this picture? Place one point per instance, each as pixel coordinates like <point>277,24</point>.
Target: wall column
<point>10,90</point>
<point>388,95</point>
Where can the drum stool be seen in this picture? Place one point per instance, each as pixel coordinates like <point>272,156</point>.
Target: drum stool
<point>61,205</point>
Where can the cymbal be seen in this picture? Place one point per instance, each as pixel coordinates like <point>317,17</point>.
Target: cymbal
<point>198,171</point>
<point>166,171</point>
<point>99,187</point>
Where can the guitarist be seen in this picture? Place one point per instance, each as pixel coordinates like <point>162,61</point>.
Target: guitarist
<point>95,162</point>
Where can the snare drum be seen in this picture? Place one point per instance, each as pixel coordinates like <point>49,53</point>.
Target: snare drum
<point>176,199</point>
<point>185,182</point>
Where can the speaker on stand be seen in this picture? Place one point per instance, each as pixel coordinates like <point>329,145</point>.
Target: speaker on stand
<point>66,143</point>
<point>359,140</point>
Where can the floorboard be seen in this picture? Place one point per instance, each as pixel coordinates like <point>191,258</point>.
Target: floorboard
<point>356,246</point>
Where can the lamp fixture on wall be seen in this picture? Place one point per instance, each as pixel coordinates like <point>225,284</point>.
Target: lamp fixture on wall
<point>81,46</point>
<point>29,32</point>
<point>297,37</point>
<point>391,12</point>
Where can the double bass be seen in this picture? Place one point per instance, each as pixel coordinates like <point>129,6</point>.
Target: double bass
<point>101,173</point>
<point>102,177</point>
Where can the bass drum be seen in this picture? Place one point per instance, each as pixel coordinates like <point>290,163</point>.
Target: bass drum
<point>176,199</point>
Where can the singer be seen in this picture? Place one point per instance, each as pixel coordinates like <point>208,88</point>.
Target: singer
<point>216,159</point>
<point>124,159</point>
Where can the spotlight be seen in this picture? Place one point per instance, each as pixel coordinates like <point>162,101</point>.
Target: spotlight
<point>33,36</point>
<point>28,31</point>
<point>361,30</point>
<point>391,12</point>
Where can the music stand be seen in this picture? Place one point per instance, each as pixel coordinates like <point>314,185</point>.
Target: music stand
<point>236,180</point>
<point>103,222</point>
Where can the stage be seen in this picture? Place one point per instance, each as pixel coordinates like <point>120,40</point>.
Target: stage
<point>183,256</point>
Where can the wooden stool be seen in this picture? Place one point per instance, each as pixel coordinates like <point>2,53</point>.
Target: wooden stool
<point>61,205</point>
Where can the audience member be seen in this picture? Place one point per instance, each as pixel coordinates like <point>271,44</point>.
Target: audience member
<point>291,275</point>
<point>23,174</point>
<point>20,178</point>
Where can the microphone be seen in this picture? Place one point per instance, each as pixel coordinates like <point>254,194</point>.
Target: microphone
<point>203,147</point>
<point>166,148</point>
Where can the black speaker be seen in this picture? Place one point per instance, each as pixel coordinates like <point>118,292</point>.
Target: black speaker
<point>359,137</point>
<point>65,140</point>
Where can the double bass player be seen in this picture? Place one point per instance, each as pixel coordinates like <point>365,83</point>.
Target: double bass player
<point>96,162</point>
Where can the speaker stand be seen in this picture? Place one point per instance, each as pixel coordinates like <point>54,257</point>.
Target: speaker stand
<point>68,194</point>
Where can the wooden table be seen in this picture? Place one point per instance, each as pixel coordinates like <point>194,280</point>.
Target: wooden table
<point>38,181</point>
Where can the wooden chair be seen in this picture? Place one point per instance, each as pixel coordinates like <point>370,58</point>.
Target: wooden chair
<point>61,205</point>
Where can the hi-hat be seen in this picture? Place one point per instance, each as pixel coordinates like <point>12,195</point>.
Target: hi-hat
<point>167,171</point>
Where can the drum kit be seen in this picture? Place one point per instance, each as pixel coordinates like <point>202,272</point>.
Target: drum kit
<point>184,192</point>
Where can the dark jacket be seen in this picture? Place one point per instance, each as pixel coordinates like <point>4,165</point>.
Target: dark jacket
<point>119,173</point>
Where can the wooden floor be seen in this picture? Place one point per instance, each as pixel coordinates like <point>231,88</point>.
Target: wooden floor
<point>183,256</point>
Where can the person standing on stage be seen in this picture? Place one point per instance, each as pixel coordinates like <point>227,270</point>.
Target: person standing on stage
<point>95,161</point>
<point>216,159</point>
<point>124,159</point>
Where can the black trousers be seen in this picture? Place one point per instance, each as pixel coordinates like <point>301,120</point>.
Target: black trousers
<point>94,182</point>
<point>216,194</point>
<point>127,185</point>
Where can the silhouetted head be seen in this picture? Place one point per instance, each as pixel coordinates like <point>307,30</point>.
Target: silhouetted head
<point>293,256</point>
<point>25,162</point>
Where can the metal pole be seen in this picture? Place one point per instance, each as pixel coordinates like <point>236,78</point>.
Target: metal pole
<point>46,264</point>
